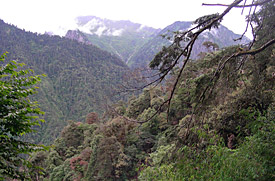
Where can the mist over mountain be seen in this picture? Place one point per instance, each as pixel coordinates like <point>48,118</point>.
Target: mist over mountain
<point>122,38</point>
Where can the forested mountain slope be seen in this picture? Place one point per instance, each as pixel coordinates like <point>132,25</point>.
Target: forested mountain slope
<point>80,78</point>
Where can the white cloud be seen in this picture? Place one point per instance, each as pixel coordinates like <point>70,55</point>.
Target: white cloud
<point>117,32</point>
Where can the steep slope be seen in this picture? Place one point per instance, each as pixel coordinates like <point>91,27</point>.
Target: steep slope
<point>122,38</point>
<point>222,37</point>
<point>80,78</point>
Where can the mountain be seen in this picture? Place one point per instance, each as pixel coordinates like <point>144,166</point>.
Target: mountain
<point>136,44</point>
<point>122,38</point>
<point>222,37</point>
<point>80,78</point>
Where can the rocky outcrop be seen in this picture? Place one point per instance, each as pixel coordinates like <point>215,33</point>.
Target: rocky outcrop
<point>78,36</point>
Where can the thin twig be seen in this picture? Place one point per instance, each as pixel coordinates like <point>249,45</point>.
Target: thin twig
<point>244,7</point>
<point>247,24</point>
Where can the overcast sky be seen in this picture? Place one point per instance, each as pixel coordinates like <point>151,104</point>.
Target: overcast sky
<point>51,15</point>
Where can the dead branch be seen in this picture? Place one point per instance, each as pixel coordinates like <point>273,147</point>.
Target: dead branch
<point>180,73</point>
<point>239,6</point>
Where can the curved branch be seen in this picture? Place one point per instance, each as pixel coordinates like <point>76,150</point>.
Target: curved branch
<point>255,51</point>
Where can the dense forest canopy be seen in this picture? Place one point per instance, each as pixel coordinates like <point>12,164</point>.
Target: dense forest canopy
<point>205,119</point>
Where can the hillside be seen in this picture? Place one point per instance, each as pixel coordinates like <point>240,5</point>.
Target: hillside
<point>80,78</point>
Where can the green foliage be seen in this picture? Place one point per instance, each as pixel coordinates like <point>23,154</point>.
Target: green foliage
<point>252,160</point>
<point>110,160</point>
<point>163,173</point>
<point>137,106</point>
<point>92,162</point>
<point>162,153</point>
<point>204,20</point>
<point>151,126</point>
<point>18,116</point>
<point>72,135</point>
<point>62,172</point>
<point>39,160</point>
